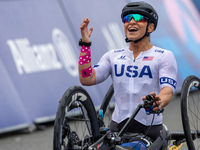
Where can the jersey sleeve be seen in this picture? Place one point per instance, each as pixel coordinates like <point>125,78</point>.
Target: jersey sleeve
<point>168,71</point>
<point>102,68</point>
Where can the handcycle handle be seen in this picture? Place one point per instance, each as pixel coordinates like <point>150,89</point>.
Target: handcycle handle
<point>148,105</point>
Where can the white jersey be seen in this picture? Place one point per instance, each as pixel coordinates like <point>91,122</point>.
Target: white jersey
<point>134,78</point>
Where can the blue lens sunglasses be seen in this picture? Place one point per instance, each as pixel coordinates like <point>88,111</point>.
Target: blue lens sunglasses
<point>137,18</point>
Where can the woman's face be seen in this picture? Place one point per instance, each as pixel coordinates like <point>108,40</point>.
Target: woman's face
<point>135,30</point>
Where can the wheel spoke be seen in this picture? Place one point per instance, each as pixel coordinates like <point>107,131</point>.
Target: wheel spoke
<point>190,100</point>
<point>197,117</point>
<point>78,117</point>
<point>194,112</point>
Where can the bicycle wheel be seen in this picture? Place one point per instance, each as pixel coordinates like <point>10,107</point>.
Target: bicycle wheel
<point>76,124</point>
<point>190,104</point>
<point>107,107</point>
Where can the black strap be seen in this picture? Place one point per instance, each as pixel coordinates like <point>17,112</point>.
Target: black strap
<point>81,43</point>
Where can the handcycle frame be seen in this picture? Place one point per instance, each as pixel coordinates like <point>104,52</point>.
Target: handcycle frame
<point>108,143</point>
<point>104,140</point>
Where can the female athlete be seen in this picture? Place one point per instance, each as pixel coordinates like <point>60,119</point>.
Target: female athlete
<point>136,71</point>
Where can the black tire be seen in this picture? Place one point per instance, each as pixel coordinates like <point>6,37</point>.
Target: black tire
<point>190,104</point>
<point>107,99</point>
<point>83,118</point>
<point>107,106</point>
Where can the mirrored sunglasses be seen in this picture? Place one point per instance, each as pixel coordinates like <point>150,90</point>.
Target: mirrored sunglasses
<point>137,18</point>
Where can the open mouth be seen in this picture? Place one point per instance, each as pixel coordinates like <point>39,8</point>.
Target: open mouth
<point>132,29</point>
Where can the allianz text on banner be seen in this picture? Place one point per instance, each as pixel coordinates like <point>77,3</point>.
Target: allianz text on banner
<point>44,57</point>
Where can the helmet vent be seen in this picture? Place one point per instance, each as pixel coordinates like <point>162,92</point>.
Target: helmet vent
<point>133,5</point>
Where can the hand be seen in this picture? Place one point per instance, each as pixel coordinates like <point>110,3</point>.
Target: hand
<point>85,33</point>
<point>158,101</point>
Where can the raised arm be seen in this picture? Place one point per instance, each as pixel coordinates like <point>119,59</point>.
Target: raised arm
<point>86,72</point>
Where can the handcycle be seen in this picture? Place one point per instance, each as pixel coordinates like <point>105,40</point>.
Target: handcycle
<point>79,126</point>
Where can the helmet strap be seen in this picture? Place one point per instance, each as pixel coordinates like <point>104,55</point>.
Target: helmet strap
<point>136,41</point>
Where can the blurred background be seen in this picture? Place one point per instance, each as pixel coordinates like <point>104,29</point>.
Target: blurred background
<point>39,53</point>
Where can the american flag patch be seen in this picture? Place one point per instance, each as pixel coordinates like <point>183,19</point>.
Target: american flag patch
<point>148,58</point>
